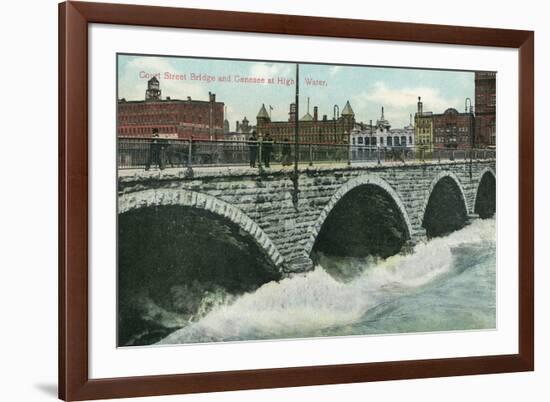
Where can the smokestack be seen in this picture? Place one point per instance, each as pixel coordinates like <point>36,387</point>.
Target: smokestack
<point>315,113</point>
<point>419,105</point>
<point>324,117</point>
<point>237,126</point>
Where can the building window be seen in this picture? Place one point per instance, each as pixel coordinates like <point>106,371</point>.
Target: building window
<point>388,141</point>
<point>410,139</point>
<point>360,140</point>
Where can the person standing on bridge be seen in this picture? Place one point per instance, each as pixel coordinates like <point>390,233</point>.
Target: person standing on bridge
<point>253,149</point>
<point>286,158</point>
<point>155,149</point>
<point>267,149</point>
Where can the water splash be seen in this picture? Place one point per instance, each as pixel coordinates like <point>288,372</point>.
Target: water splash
<point>322,302</point>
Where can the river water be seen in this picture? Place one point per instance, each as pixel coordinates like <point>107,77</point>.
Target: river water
<point>447,283</point>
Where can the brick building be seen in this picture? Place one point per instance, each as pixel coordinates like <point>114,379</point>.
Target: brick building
<point>312,129</point>
<point>485,107</point>
<point>174,118</point>
<point>452,129</point>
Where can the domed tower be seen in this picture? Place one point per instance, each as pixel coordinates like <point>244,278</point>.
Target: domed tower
<point>245,126</point>
<point>153,90</point>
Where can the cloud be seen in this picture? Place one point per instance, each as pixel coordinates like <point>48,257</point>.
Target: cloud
<point>334,70</point>
<point>269,70</point>
<point>407,97</point>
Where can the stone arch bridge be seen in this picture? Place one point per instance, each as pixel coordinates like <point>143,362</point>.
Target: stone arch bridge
<point>262,205</point>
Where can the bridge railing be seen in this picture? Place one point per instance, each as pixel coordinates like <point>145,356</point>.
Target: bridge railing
<point>163,152</point>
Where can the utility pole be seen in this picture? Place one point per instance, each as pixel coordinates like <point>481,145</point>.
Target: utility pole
<point>296,120</point>
<point>296,138</point>
<point>472,130</point>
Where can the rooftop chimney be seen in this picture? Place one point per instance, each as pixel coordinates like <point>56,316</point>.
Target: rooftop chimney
<point>315,113</point>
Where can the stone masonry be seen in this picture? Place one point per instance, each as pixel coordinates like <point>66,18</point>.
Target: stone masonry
<point>262,204</point>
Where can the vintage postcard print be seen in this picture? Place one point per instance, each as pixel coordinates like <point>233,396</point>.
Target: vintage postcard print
<point>267,200</point>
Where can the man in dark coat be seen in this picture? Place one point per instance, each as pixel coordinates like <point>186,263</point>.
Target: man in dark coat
<point>155,150</point>
<point>287,153</point>
<point>253,149</point>
<point>267,149</point>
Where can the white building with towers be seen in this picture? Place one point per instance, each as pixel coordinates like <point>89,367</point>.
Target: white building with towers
<point>382,135</point>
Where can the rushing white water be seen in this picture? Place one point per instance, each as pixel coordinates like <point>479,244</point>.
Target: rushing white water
<point>447,283</point>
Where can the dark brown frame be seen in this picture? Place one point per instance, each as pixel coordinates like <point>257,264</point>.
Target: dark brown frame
<point>74,17</point>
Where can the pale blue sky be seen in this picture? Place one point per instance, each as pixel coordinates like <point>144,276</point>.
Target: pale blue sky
<point>367,88</point>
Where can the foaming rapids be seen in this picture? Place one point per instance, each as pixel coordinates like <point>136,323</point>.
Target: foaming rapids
<point>339,293</point>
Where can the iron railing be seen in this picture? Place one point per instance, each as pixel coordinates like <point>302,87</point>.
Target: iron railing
<point>161,152</point>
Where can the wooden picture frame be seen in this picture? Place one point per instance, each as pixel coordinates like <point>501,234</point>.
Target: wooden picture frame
<point>74,381</point>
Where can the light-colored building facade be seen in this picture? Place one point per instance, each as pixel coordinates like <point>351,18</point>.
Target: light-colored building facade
<point>423,128</point>
<point>381,135</point>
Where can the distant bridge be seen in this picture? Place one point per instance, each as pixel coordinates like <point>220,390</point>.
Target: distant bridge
<point>287,217</point>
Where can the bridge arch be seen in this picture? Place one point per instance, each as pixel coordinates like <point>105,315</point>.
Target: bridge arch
<point>343,191</point>
<point>186,198</point>
<point>444,177</point>
<point>434,182</point>
<point>480,178</point>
